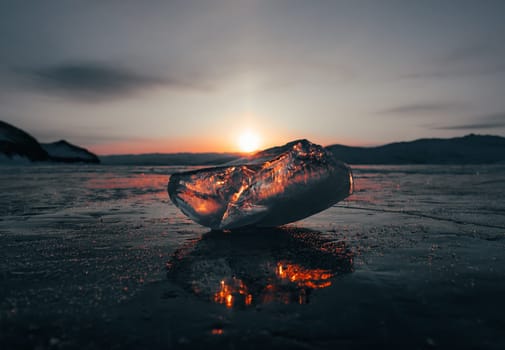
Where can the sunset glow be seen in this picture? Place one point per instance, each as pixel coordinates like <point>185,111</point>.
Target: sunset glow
<point>248,141</point>
<point>178,80</point>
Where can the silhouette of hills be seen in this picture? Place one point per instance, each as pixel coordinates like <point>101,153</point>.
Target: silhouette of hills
<point>15,142</point>
<point>18,144</point>
<point>63,151</point>
<point>469,149</point>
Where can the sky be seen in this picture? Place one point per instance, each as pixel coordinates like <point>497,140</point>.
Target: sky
<point>193,76</point>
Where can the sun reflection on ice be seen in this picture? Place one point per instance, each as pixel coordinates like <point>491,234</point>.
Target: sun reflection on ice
<point>250,268</point>
<point>292,283</point>
<point>232,290</point>
<point>303,277</point>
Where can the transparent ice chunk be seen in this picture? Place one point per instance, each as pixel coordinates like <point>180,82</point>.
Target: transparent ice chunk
<point>271,188</point>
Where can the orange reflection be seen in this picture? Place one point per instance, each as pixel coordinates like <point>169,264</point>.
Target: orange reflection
<point>203,206</point>
<point>294,282</point>
<point>111,181</point>
<point>152,184</point>
<point>203,199</point>
<point>283,265</point>
<point>369,190</point>
<point>303,277</point>
<point>290,285</point>
<point>282,173</point>
<point>231,291</point>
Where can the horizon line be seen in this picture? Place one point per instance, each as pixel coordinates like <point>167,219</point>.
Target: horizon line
<point>259,150</point>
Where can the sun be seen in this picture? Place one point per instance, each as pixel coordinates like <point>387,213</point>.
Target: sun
<point>248,141</point>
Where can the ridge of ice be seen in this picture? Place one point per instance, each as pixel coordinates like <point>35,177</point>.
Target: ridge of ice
<point>274,187</point>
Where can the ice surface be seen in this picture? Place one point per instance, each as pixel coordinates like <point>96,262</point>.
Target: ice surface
<point>274,187</point>
<point>90,240</point>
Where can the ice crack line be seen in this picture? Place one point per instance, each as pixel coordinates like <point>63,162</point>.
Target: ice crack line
<point>410,213</point>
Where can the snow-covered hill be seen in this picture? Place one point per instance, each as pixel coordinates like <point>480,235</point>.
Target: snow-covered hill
<point>62,151</point>
<point>17,145</point>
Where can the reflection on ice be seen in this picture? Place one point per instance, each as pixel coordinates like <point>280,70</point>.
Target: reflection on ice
<point>128,185</point>
<point>252,267</point>
<point>303,277</point>
<point>231,290</point>
<point>272,188</point>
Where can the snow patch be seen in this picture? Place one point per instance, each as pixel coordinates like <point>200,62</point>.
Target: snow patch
<point>15,159</point>
<point>65,151</point>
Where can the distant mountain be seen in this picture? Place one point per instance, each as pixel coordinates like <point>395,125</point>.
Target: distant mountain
<point>15,142</point>
<point>470,149</point>
<point>169,159</point>
<point>62,151</point>
<point>18,144</point>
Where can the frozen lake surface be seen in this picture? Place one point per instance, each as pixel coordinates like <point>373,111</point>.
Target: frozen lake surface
<point>98,256</point>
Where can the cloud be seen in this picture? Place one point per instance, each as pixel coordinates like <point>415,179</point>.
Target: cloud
<point>480,58</point>
<point>82,133</point>
<point>94,81</point>
<point>472,52</point>
<point>490,121</point>
<point>457,71</point>
<point>421,108</point>
<point>79,134</point>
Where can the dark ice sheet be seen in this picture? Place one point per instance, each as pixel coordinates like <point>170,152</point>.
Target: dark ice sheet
<point>97,257</point>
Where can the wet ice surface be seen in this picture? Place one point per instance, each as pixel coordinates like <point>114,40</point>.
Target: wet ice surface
<point>465,194</point>
<point>413,257</point>
<point>80,237</point>
<point>260,266</point>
